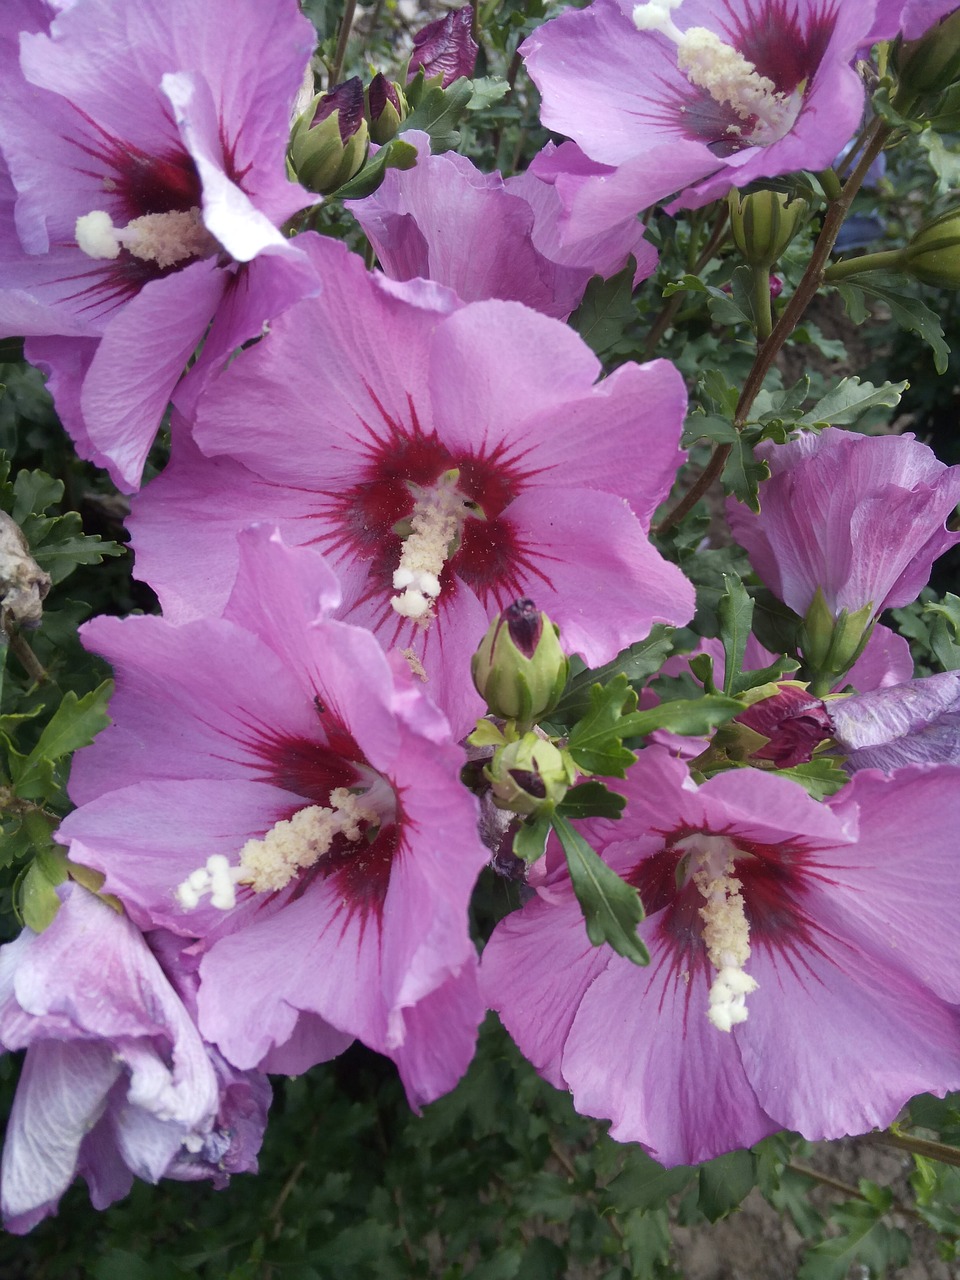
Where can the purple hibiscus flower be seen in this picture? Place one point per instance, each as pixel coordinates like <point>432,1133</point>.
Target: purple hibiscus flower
<point>277,787</point>
<point>484,237</point>
<point>117,1081</point>
<point>803,969</point>
<point>909,18</point>
<point>695,97</point>
<point>146,147</point>
<point>860,517</point>
<point>917,722</point>
<point>448,458</point>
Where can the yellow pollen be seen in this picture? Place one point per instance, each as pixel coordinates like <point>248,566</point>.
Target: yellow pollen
<point>435,525</point>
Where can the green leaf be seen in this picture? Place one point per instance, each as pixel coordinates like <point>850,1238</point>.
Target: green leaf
<point>395,154</point>
<point>851,398</point>
<point>612,908</point>
<point>865,1238</point>
<point>693,718</point>
<point>642,659</point>
<point>822,777</point>
<point>74,724</point>
<point>606,309</point>
<point>944,160</point>
<point>744,472</point>
<point>777,670</point>
<point>438,113</point>
<point>591,800</point>
<point>485,91</point>
<point>724,1182</point>
<point>725,308</point>
<point>909,313</point>
<point>595,740</point>
<point>645,1184</point>
<point>735,612</point>
<point>945,631</point>
<point>530,838</point>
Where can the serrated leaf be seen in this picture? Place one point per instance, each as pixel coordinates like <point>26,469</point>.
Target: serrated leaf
<point>851,398</point>
<point>612,908</point>
<point>34,491</point>
<point>439,112</point>
<point>395,154</point>
<point>485,91</point>
<point>530,839</point>
<point>708,426</point>
<point>591,800</point>
<point>595,740</point>
<point>691,718</point>
<point>725,1182</point>
<point>944,616</point>
<point>74,724</point>
<point>606,308</point>
<point>645,1184</point>
<point>642,659</point>
<point>777,670</point>
<point>822,777</point>
<point>735,613</point>
<point>909,313</point>
<point>864,1237</point>
<point>744,472</point>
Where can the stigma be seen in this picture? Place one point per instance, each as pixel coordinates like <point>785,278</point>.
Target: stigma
<point>431,535</point>
<point>162,238</point>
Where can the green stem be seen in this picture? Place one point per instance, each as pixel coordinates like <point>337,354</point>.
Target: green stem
<point>925,1147</point>
<point>888,259</point>
<point>346,22</point>
<point>760,297</point>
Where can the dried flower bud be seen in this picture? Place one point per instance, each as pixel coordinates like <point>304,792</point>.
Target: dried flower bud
<point>446,49</point>
<point>23,584</point>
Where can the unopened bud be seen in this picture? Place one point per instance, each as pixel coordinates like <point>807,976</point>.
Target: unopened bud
<point>386,108</point>
<point>520,669</point>
<point>932,63</point>
<point>328,143</point>
<point>793,721</point>
<point>530,775</point>
<point>933,255</point>
<point>831,645</point>
<point>763,223</point>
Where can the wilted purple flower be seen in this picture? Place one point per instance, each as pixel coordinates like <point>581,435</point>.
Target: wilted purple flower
<point>446,47</point>
<point>435,451</point>
<point>696,97</point>
<point>805,965</point>
<point>917,722</point>
<point>273,784</point>
<point>146,147</point>
<point>484,237</point>
<point>117,1081</point>
<point>860,517</point>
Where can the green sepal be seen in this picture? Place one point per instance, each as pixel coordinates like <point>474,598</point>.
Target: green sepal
<point>395,154</point>
<point>530,838</point>
<point>611,908</point>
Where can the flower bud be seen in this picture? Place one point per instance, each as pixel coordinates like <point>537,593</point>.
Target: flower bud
<point>763,223</point>
<point>933,255</point>
<point>520,670</point>
<point>831,645</point>
<point>530,775</point>
<point>793,721</point>
<point>932,63</point>
<point>386,108</point>
<point>445,49</point>
<point>328,143</point>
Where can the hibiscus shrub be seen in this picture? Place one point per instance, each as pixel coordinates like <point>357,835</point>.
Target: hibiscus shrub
<point>479,636</point>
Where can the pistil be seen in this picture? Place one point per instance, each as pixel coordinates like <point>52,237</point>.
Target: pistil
<point>726,932</point>
<point>268,865</point>
<point>432,537</point>
<point>727,76</point>
<point>163,238</point>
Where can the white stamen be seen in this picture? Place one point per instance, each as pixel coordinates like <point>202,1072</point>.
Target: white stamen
<point>726,933</point>
<point>163,238</point>
<point>435,527</point>
<point>725,73</point>
<point>291,845</point>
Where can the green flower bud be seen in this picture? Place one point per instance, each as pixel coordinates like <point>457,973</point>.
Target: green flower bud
<point>830,645</point>
<point>763,223</point>
<point>520,670</point>
<point>386,108</point>
<point>328,143</point>
<point>530,775</point>
<point>933,255</point>
<point>932,63</point>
